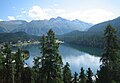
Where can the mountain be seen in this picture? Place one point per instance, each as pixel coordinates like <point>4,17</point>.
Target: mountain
<point>11,25</point>
<point>93,37</point>
<point>40,27</point>
<point>2,30</point>
<point>14,37</point>
<point>99,28</point>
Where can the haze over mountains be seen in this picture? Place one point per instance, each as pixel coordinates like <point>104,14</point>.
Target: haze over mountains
<point>40,27</point>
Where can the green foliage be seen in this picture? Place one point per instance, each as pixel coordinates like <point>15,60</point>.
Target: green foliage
<point>89,76</point>
<point>15,37</point>
<point>49,65</point>
<point>75,80</point>
<point>110,61</point>
<point>83,39</point>
<point>82,76</point>
<point>7,64</point>
<point>18,66</point>
<point>67,76</point>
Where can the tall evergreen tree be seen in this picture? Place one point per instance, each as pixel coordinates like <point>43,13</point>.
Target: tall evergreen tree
<point>37,75</point>
<point>75,79</point>
<point>1,67</point>
<point>19,66</point>
<point>110,57</point>
<point>82,76</point>
<point>7,64</point>
<point>110,54</point>
<point>27,75</point>
<point>51,62</point>
<point>67,76</point>
<point>89,76</point>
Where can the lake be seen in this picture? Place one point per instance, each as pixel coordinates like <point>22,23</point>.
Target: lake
<point>76,56</point>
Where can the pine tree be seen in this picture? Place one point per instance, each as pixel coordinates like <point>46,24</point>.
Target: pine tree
<point>27,75</point>
<point>89,76</point>
<point>110,54</point>
<point>82,76</point>
<point>7,64</point>
<point>1,67</point>
<point>109,59</point>
<point>75,79</point>
<point>19,66</point>
<point>67,73</point>
<point>37,75</point>
<point>51,62</point>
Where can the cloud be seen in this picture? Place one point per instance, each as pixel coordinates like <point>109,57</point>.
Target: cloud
<point>96,15</point>
<point>1,20</point>
<point>81,60</point>
<point>91,15</point>
<point>11,18</point>
<point>24,12</point>
<point>37,12</point>
<point>85,60</point>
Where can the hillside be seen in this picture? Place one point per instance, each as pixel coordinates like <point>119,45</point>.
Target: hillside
<point>40,27</point>
<point>99,28</point>
<point>93,37</point>
<point>11,25</point>
<point>14,37</point>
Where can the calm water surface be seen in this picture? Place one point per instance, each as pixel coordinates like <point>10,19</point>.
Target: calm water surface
<point>77,58</point>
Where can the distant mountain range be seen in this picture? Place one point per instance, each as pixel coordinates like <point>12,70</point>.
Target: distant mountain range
<point>73,32</point>
<point>40,27</point>
<point>93,37</point>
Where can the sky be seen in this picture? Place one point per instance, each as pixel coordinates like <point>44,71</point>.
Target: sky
<point>91,11</point>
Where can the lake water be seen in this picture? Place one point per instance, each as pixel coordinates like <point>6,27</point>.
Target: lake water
<point>77,57</point>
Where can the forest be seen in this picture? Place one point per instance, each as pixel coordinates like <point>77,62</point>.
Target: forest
<point>49,67</point>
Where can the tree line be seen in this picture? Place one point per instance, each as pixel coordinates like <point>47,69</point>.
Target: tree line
<point>49,67</point>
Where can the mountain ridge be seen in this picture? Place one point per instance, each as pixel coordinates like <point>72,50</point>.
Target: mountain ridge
<point>93,37</point>
<point>39,27</point>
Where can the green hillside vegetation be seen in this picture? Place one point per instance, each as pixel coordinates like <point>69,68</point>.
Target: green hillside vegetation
<point>15,37</point>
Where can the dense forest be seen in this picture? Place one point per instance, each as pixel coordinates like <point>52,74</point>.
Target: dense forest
<point>15,37</point>
<point>49,68</point>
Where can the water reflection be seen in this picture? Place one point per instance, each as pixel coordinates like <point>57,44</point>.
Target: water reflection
<point>76,58</point>
<point>85,60</point>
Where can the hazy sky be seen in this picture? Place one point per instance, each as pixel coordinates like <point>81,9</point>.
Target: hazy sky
<point>92,11</point>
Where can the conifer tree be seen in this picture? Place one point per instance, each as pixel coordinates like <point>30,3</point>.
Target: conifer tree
<point>51,62</point>
<point>27,75</point>
<point>67,73</point>
<point>109,59</point>
<point>82,76</point>
<point>110,54</point>
<point>1,67</point>
<point>89,76</point>
<point>7,64</point>
<point>37,76</point>
<point>75,79</point>
<point>19,66</point>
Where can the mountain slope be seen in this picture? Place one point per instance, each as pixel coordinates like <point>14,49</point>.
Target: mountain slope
<point>99,28</point>
<point>14,37</point>
<point>11,25</point>
<point>40,27</point>
<point>93,37</point>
